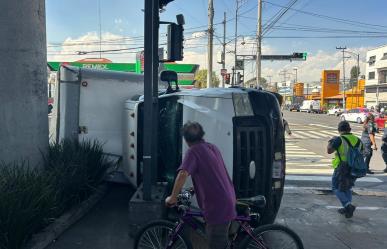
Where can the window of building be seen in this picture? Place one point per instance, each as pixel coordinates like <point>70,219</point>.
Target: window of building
<point>384,56</point>
<point>372,60</point>
<point>371,75</point>
<point>382,76</point>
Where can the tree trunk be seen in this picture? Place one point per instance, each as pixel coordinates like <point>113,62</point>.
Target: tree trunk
<point>23,81</point>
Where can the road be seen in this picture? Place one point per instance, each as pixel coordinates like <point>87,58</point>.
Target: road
<point>305,208</point>
<point>308,164</point>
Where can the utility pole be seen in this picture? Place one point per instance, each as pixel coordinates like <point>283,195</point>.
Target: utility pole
<point>210,41</point>
<point>150,124</point>
<point>295,79</point>
<point>224,47</point>
<point>235,43</point>
<point>284,72</point>
<point>343,84</point>
<point>23,92</point>
<point>259,41</point>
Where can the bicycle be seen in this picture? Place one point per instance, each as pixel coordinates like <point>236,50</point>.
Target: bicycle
<point>163,234</point>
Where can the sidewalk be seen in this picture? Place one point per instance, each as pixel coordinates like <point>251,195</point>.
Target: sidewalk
<point>314,217</point>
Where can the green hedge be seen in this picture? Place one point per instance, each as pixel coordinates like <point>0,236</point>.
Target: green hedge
<point>30,199</point>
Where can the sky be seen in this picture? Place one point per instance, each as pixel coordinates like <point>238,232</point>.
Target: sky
<point>312,26</point>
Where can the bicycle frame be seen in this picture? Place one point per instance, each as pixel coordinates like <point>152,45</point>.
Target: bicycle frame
<point>188,218</point>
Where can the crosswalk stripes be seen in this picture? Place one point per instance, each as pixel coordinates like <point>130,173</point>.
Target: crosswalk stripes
<point>301,161</point>
<point>312,131</point>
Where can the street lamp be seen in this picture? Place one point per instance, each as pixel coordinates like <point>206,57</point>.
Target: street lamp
<point>295,69</point>
<point>357,73</point>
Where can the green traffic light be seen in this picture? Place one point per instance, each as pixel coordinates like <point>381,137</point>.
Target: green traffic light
<point>304,55</point>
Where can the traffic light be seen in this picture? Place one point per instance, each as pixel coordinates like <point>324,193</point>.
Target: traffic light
<point>239,78</point>
<point>227,78</point>
<point>300,56</point>
<point>163,3</point>
<point>175,42</point>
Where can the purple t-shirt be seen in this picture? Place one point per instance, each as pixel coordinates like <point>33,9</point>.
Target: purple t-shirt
<point>213,187</point>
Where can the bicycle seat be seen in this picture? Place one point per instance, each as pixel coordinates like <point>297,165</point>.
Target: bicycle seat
<point>258,201</point>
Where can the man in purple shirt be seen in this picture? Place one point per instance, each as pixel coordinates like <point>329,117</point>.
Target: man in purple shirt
<point>213,187</point>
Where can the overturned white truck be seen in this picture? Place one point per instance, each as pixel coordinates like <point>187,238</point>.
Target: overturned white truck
<point>245,124</point>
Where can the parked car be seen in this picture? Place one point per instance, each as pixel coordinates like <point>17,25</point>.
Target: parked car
<point>380,120</point>
<point>337,111</point>
<point>357,115</point>
<point>294,108</point>
<point>311,106</point>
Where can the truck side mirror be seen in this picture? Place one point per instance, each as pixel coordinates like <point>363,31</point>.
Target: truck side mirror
<point>169,76</point>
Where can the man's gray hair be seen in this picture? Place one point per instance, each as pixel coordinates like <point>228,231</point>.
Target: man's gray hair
<point>192,132</point>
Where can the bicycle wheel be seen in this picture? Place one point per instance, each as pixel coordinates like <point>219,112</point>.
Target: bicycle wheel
<point>272,236</point>
<point>157,235</point>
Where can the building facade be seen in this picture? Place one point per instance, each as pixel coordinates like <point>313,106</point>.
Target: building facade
<point>376,77</point>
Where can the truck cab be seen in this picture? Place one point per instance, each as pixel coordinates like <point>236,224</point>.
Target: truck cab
<point>245,124</point>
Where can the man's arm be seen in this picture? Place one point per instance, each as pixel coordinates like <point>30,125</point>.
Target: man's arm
<point>179,183</point>
<point>333,144</point>
<point>330,149</point>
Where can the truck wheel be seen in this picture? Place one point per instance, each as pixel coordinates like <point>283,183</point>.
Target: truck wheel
<point>359,120</point>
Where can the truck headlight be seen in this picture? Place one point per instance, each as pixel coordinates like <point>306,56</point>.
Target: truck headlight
<point>278,169</point>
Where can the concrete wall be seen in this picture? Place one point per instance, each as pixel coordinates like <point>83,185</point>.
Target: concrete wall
<point>23,81</point>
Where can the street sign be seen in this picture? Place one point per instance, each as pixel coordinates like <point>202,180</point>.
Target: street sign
<point>239,65</point>
<point>223,71</point>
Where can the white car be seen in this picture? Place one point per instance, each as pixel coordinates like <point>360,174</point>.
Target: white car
<point>335,111</point>
<point>357,115</point>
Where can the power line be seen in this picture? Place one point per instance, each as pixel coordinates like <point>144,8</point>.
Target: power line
<point>279,16</point>
<point>347,21</point>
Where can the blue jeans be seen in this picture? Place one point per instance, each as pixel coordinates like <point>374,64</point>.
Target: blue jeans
<point>345,197</point>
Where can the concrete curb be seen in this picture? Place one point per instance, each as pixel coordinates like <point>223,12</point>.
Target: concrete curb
<point>60,225</point>
<point>319,190</point>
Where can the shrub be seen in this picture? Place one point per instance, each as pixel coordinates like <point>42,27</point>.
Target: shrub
<point>27,201</point>
<point>77,168</point>
<point>31,198</point>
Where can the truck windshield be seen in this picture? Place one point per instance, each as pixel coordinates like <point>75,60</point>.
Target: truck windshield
<point>242,105</point>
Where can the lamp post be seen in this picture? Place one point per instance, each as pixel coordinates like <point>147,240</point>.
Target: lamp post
<point>295,69</point>
<point>357,74</point>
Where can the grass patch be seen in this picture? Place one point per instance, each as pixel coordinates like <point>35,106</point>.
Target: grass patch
<point>30,198</point>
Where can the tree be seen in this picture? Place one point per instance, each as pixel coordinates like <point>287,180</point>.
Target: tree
<point>354,75</point>
<point>201,79</point>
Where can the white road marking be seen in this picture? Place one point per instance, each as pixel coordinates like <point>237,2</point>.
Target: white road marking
<point>360,208</point>
<point>325,126</point>
<point>300,152</point>
<point>330,133</point>
<point>318,133</point>
<point>309,135</point>
<point>320,171</point>
<point>328,178</point>
<point>298,156</point>
<point>306,164</point>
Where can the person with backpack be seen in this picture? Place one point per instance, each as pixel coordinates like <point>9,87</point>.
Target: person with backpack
<point>348,165</point>
<point>383,148</point>
<point>368,139</point>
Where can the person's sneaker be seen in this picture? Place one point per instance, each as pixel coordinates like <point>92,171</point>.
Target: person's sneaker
<point>370,172</point>
<point>341,211</point>
<point>349,209</point>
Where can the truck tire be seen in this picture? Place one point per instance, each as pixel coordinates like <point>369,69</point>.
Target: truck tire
<point>359,121</point>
